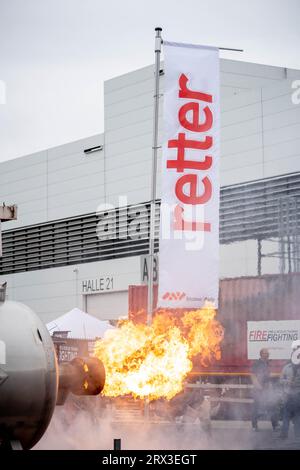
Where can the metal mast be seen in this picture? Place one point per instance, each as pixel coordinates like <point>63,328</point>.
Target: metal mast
<point>158,42</point>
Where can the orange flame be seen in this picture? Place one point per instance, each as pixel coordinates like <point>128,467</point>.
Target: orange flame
<point>153,361</point>
<point>85,385</point>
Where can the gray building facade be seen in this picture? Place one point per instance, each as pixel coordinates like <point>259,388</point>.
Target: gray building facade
<point>53,259</point>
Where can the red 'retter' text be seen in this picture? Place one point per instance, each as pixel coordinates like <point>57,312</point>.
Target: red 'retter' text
<point>187,189</point>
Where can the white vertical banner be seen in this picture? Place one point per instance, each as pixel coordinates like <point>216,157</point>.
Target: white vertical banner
<point>189,229</point>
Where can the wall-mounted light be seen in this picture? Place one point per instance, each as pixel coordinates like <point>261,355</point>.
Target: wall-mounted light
<point>93,149</point>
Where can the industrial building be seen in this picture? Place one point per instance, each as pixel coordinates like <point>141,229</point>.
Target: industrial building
<point>53,259</point>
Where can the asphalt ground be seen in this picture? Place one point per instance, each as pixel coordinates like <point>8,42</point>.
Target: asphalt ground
<point>88,433</point>
<point>223,435</point>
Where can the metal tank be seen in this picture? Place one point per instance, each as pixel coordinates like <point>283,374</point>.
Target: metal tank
<point>30,380</point>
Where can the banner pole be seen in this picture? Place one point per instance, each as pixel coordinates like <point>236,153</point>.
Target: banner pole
<point>158,42</point>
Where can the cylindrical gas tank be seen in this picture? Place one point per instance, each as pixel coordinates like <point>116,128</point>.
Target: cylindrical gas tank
<point>28,375</point>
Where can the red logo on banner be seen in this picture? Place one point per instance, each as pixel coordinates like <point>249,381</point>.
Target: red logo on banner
<point>174,295</point>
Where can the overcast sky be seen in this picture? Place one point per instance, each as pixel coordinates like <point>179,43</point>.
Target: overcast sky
<point>56,54</point>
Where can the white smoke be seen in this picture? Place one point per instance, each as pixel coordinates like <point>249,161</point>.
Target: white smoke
<point>87,424</point>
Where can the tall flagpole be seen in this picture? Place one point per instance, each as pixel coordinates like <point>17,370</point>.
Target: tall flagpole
<point>158,42</point>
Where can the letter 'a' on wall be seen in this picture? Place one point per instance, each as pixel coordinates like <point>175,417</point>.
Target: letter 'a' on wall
<point>189,230</point>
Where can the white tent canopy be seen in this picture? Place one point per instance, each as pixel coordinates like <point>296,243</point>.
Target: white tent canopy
<point>79,325</point>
